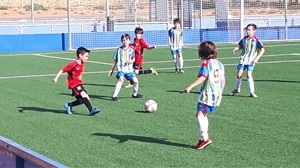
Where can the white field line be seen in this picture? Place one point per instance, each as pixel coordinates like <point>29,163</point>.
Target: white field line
<point>157,62</point>
<point>226,48</point>
<point>54,57</point>
<point>104,50</point>
<point>159,69</point>
<point>227,58</point>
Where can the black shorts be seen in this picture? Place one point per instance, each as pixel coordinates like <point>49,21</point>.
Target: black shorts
<point>77,90</point>
<point>137,66</point>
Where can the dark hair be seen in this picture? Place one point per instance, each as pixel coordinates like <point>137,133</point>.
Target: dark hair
<point>207,50</point>
<point>253,25</point>
<point>138,30</point>
<point>82,50</point>
<point>126,36</point>
<point>177,20</point>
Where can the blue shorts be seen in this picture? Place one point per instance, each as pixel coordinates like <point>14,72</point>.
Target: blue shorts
<point>205,108</point>
<point>249,68</point>
<point>128,75</point>
<point>175,52</point>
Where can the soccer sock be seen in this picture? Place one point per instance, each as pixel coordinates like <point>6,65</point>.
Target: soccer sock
<point>75,103</point>
<point>180,62</point>
<point>135,89</point>
<point>87,103</point>
<point>203,125</point>
<point>238,83</point>
<point>117,89</point>
<point>175,63</point>
<point>145,71</point>
<point>251,84</point>
<point>131,82</point>
<point>199,127</point>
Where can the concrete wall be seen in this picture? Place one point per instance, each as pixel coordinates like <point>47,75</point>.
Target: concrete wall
<point>59,42</point>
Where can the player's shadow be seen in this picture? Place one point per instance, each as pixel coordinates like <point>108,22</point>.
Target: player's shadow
<point>96,84</point>
<point>141,111</point>
<point>180,91</point>
<point>236,95</point>
<point>124,138</point>
<point>277,81</point>
<point>41,109</point>
<point>91,96</point>
<point>168,72</point>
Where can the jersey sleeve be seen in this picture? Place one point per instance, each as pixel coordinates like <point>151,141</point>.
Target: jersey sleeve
<point>203,71</point>
<point>144,44</point>
<point>69,67</point>
<point>259,44</point>
<point>115,55</point>
<point>170,33</point>
<point>132,53</point>
<point>241,43</point>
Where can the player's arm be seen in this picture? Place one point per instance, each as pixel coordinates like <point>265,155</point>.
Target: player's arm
<point>169,38</point>
<point>57,76</point>
<point>260,53</point>
<point>197,82</point>
<point>236,49</point>
<point>239,47</point>
<point>181,39</point>
<point>132,60</point>
<point>67,68</point>
<point>113,68</point>
<point>145,45</point>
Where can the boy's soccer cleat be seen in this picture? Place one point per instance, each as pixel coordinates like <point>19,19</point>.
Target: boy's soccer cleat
<point>67,108</point>
<point>176,70</point>
<point>253,95</point>
<point>202,144</point>
<point>154,71</point>
<point>181,70</point>
<point>114,98</point>
<point>94,111</point>
<point>138,96</point>
<point>128,86</point>
<point>234,92</point>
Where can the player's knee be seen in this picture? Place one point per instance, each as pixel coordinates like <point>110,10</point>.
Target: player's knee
<point>135,81</point>
<point>120,80</point>
<point>84,94</point>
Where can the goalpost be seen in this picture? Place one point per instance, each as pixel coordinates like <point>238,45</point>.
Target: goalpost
<point>219,20</point>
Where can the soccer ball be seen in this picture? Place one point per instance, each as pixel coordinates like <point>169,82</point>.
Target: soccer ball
<point>150,106</point>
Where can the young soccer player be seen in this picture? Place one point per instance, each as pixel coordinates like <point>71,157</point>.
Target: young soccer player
<point>75,83</point>
<point>139,45</point>
<point>212,77</point>
<point>124,58</point>
<point>175,39</point>
<point>252,50</point>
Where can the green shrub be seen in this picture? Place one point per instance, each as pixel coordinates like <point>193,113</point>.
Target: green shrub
<point>35,7</point>
<point>100,7</point>
<point>3,7</point>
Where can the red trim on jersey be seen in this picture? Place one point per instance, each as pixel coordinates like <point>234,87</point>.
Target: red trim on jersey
<point>199,75</point>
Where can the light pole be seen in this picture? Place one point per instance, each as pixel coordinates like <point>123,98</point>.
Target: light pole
<point>32,10</point>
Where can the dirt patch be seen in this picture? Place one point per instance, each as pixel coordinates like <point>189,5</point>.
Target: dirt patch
<point>18,13</point>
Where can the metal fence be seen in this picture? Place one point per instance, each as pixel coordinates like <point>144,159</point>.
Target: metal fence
<point>82,16</point>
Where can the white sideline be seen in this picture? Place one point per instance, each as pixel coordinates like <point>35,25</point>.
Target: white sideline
<point>189,67</point>
<point>48,56</point>
<point>187,46</point>
<point>225,58</point>
<point>157,62</point>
